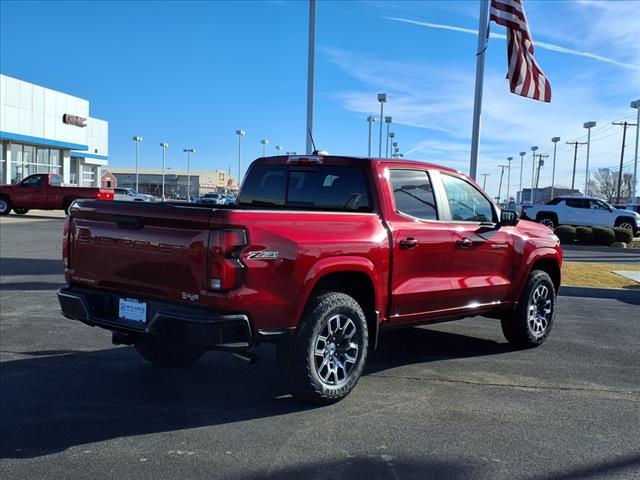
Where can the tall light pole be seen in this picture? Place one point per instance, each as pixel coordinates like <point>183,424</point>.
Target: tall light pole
<point>387,120</point>
<point>137,140</point>
<point>522,154</point>
<point>484,180</point>
<point>264,143</point>
<point>509,159</point>
<point>588,126</point>
<point>391,136</point>
<point>164,147</point>
<point>189,151</point>
<point>310,76</point>
<point>371,119</point>
<point>382,98</point>
<point>278,148</point>
<point>240,133</point>
<point>533,172</point>
<point>636,105</point>
<point>575,161</point>
<point>555,141</point>
<point>501,175</point>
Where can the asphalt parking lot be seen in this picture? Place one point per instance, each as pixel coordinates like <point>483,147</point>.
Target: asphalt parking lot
<point>445,401</point>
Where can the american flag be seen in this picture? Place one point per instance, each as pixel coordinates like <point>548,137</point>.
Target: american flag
<point>526,78</point>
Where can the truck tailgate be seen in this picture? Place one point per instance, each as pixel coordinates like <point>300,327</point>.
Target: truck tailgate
<point>148,249</point>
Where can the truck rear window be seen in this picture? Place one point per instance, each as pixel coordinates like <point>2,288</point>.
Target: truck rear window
<point>322,188</point>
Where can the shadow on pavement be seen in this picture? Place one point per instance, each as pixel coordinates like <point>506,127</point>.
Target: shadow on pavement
<point>374,468</point>
<point>30,286</point>
<point>52,400</point>
<point>31,266</point>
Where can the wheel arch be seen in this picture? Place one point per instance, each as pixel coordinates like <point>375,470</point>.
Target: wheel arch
<point>356,277</point>
<point>546,213</point>
<point>551,267</point>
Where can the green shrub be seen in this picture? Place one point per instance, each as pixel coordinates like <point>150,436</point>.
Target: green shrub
<point>566,233</point>
<point>618,245</point>
<point>603,236</point>
<point>623,235</point>
<point>584,234</point>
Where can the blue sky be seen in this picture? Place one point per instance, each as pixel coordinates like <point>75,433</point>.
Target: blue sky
<point>191,73</point>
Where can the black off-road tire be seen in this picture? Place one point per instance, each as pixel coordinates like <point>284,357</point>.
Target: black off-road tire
<point>169,354</point>
<point>518,328</point>
<point>296,357</point>
<point>5,205</point>
<point>20,211</point>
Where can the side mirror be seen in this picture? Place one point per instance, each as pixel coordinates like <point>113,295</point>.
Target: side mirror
<point>509,218</point>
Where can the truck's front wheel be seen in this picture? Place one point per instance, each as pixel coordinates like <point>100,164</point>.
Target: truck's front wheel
<point>530,323</point>
<point>322,363</point>
<point>169,354</point>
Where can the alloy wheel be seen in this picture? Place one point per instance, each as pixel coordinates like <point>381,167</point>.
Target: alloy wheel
<point>626,225</point>
<point>539,311</point>
<point>3,205</point>
<point>547,222</point>
<point>336,350</point>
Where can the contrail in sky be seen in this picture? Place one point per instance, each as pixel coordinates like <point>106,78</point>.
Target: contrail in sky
<point>545,45</point>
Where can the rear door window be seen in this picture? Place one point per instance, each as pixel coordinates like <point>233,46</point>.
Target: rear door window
<point>413,194</point>
<point>577,203</point>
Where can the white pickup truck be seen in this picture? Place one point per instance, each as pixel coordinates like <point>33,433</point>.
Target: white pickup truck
<point>590,212</point>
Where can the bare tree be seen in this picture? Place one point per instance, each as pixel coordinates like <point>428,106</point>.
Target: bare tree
<point>605,185</point>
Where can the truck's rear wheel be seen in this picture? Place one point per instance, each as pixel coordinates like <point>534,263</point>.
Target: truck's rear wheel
<point>322,363</point>
<point>530,323</point>
<point>548,221</point>
<point>169,354</point>
<point>20,211</point>
<point>5,206</point>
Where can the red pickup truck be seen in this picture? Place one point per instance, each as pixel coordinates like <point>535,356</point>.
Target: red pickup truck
<point>320,254</point>
<point>44,191</point>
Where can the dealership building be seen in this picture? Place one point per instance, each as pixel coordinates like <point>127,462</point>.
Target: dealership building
<point>45,131</point>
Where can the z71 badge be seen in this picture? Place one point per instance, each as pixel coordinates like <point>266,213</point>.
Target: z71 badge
<point>263,255</point>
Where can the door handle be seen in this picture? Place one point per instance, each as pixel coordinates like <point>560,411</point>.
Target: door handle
<point>464,243</point>
<point>408,243</point>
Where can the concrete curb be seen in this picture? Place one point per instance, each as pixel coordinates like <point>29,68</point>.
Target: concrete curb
<point>596,248</point>
<point>627,295</point>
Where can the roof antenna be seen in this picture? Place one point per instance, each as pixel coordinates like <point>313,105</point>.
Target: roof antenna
<point>315,150</point>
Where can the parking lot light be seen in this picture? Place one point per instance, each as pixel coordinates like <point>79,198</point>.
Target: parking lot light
<point>588,126</point>
<point>189,151</point>
<point>240,133</point>
<point>164,147</point>
<point>137,139</point>
<point>382,98</point>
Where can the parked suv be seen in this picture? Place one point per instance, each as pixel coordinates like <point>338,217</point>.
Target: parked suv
<point>213,198</point>
<point>587,211</point>
<point>321,255</point>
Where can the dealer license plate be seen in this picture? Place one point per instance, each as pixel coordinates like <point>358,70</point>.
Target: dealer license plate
<point>132,310</point>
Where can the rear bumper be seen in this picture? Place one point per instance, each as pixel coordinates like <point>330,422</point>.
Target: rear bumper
<point>185,323</point>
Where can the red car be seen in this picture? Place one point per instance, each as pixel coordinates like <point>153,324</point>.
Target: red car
<point>44,191</point>
<point>320,254</point>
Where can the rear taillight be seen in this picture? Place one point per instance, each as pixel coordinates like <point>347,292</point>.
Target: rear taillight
<point>67,241</point>
<point>104,195</point>
<point>226,270</point>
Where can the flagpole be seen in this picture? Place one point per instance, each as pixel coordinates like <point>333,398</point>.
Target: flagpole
<point>310,74</point>
<point>483,36</point>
